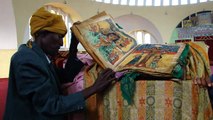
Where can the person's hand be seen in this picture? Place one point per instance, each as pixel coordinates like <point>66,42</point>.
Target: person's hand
<point>203,82</point>
<point>105,78</point>
<point>74,42</point>
<point>73,45</point>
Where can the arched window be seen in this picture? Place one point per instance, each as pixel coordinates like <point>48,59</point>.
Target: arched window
<point>143,37</point>
<point>69,16</point>
<point>142,29</point>
<point>147,38</point>
<point>67,21</point>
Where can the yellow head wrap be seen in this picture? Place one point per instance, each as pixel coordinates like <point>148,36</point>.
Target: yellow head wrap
<point>44,20</point>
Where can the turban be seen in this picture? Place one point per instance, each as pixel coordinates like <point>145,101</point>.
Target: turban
<point>44,20</point>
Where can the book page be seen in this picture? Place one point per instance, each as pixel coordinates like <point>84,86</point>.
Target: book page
<point>101,37</point>
<point>155,58</point>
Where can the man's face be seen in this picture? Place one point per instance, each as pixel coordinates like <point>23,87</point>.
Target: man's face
<point>51,43</point>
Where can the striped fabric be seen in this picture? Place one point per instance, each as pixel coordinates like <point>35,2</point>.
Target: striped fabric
<point>157,99</point>
<point>153,100</point>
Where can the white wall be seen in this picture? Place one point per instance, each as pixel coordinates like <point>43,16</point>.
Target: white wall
<point>165,23</point>
<point>138,23</point>
<point>8,34</point>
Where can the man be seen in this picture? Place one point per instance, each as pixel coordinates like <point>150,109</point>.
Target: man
<point>210,91</point>
<point>34,86</point>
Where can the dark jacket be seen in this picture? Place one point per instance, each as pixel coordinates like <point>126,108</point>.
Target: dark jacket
<point>34,89</point>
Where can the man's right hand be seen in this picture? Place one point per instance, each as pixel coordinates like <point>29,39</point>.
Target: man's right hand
<point>104,80</point>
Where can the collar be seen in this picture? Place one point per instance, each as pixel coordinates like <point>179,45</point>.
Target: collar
<point>48,59</point>
<point>40,52</point>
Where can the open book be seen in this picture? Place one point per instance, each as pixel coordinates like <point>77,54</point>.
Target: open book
<point>111,47</point>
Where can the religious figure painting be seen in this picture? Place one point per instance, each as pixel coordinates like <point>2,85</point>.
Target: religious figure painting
<point>112,47</point>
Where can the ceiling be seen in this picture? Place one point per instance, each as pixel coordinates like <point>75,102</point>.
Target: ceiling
<point>152,2</point>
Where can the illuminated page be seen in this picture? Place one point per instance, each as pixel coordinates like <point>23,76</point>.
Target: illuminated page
<point>153,58</point>
<point>104,41</point>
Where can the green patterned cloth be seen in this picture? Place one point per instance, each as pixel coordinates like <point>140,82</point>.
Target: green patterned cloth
<point>178,71</point>
<point>128,86</point>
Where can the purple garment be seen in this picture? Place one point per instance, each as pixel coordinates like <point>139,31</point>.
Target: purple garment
<point>120,74</point>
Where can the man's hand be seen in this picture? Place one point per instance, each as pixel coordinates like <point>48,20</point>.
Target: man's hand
<point>74,43</point>
<point>203,82</point>
<point>104,80</point>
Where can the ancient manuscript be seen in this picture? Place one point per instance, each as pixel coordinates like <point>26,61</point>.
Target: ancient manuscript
<point>112,47</point>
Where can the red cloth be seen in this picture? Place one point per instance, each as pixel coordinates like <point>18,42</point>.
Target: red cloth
<point>3,95</point>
